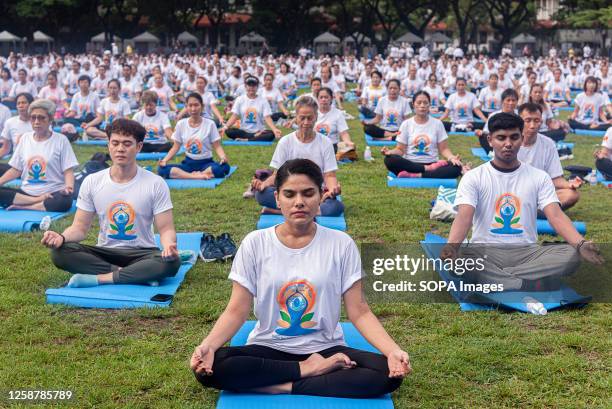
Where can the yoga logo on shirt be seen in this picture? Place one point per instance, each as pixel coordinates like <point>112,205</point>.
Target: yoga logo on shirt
<point>250,115</point>
<point>491,103</point>
<point>392,117</point>
<point>37,170</point>
<point>323,129</point>
<point>296,300</point>
<point>557,93</point>
<point>462,110</point>
<point>152,132</point>
<point>121,217</point>
<point>507,215</point>
<point>589,111</point>
<point>194,146</point>
<point>110,116</point>
<point>421,145</point>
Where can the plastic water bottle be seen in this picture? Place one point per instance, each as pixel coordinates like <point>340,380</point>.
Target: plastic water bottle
<point>534,306</point>
<point>367,154</point>
<point>45,223</point>
<point>592,178</point>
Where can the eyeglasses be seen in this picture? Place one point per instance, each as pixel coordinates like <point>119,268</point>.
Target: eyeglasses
<point>41,118</point>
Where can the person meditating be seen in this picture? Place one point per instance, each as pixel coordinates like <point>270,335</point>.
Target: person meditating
<point>499,200</point>
<point>298,273</point>
<point>128,200</point>
<point>45,162</point>
<point>303,143</point>
<point>418,143</point>
<point>199,136</point>
<point>156,123</point>
<point>391,111</point>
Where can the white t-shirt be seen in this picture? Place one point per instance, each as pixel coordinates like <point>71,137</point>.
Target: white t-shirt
<point>392,112</point>
<point>42,164</point>
<point>125,210</point>
<point>436,94</point>
<point>422,140</point>
<point>251,112</point>
<point>5,115</point>
<point>155,125</point>
<point>273,97</point>
<point>556,90</point>
<point>57,95</point>
<point>320,150</point>
<point>197,141</point>
<point>84,105</point>
<point>589,107</point>
<point>331,124</point>
<point>13,129</point>
<point>489,99</point>
<point>607,142</point>
<point>542,155</point>
<point>112,110</point>
<point>298,292</point>
<point>164,94</point>
<point>410,87</point>
<point>373,94</point>
<point>506,203</point>
<point>462,107</point>
<point>18,88</point>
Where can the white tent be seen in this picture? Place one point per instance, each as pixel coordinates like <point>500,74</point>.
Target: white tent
<point>523,39</point>
<point>408,37</point>
<point>187,38</point>
<point>145,42</point>
<point>42,38</point>
<point>251,43</point>
<point>326,43</point>
<point>9,42</point>
<point>100,38</point>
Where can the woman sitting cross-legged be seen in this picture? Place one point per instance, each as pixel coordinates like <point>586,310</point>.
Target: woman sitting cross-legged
<point>391,111</point>
<point>418,143</point>
<point>298,273</point>
<point>199,136</point>
<point>304,143</point>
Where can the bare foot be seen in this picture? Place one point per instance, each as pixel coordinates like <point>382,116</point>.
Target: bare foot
<point>205,174</point>
<point>316,365</point>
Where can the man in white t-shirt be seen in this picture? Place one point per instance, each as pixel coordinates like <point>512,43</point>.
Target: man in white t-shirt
<point>499,201</point>
<point>603,156</point>
<point>128,200</point>
<point>540,152</point>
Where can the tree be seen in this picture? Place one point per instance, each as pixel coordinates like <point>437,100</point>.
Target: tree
<point>508,17</point>
<point>595,14</point>
<point>464,15</point>
<point>416,15</point>
<point>353,17</point>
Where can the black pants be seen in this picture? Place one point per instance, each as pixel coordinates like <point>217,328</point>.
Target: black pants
<point>234,133</point>
<point>555,134</point>
<point>484,142</point>
<point>396,164</point>
<point>244,368</point>
<point>579,125</point>
<point>138,265</point>
<point>278,115</point>
<point>58,202</point>
<point>4,167</point>
<point>375,131</point>
<point>475,125</point>
<point>156,147</point>
<point>605,167</point>
<point>367,112</point>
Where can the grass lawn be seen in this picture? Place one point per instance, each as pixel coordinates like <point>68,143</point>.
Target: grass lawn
<point>139,358</point>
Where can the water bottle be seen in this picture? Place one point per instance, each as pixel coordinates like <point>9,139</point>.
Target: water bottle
<point>367,154</point>
<point>534,306</point>
<point>45,223</point>
<point>593,178</point>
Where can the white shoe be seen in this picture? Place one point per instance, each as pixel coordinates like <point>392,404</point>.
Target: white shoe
<point>249,193</point>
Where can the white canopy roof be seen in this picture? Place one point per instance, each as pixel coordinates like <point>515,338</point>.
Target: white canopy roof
<point>327,37</point>
<point>6,37</point>
<point>145,37</point>
<point>186,37</point>
<point>41,37</point>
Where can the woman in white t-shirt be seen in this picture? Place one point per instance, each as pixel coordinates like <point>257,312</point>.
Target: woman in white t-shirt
<point>436,93</point>
<point>556,92</point>
<point>6,83</point>
<point>603,156</point>
<point>274,97</point>
<point>330,120</point>
<point>45,162</point>
<point>251,112</point>
<point>210,103</point>
<point>199,137</point>
<point>589,111</point>
<point>307,144</point>
<point>285,81</point>
<point>418,143</point>
<point>295,275</point>
<point>461,107</point>
<point>391,111</point>
<point>490,96</point>
<point>165,94</point>
<point>15,127</point>
<point>84,104</point>
<point>371,95</point>
<point>111,108</point>
<point>552,127</point>
<point>55,94</point>
<point>155,122</point>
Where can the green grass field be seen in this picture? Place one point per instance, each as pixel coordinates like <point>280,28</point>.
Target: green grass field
<point>139,358</point>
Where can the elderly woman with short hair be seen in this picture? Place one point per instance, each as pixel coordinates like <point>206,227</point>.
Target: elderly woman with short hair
<point>45,162</point>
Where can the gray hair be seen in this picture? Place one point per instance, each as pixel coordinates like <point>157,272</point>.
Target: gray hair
<point>44,104</point>
<point>306,101</point>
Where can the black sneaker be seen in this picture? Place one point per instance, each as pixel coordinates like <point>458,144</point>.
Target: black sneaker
<point>227,245</point>
<point>209,249</point>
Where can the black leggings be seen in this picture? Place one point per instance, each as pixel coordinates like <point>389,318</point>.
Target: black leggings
<point>58,202</point>
<point>475,125</point>
<point>278,115</point>
<point>233,133</point>
<point>156,147</point>
<point>605,167</point>
<point>367,112</point>
<point>244,368</point>
<point>579,125</point>
<point>396,164</point>
<point>555,134</point>
<point>375,131</point>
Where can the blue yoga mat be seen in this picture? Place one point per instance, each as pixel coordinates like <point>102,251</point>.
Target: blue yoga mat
<point>562,144</point>
<point>564,297</point>
<point>269,220</point>
<point>18,221</point>
<point>93,142</point>
<point>394,181</point>
<point>481,154</point>
<point>588,132</point>
<point>198,183</point>
<point>232,142</point>
<point>602,180</point>
<point>470,133</point>
<point>128,295</point>
<point>231,400</point>
<point>377,142</point>
<point>156,155</point>
<point>545,228</point>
